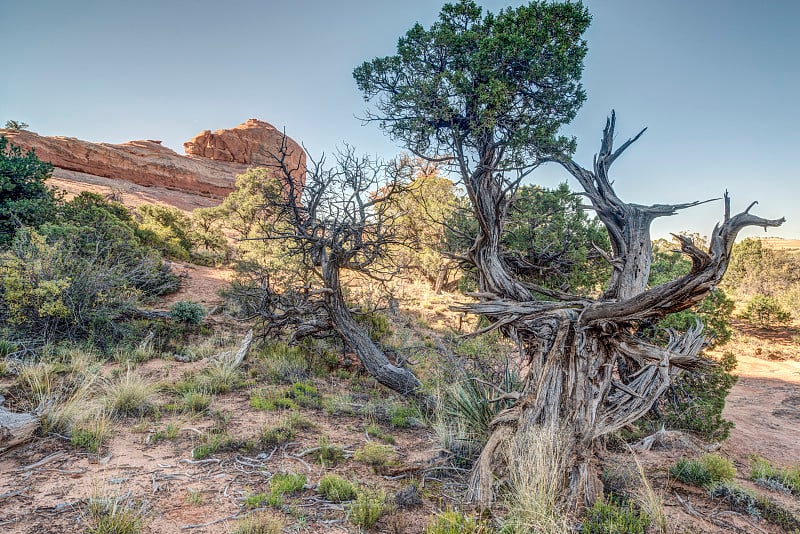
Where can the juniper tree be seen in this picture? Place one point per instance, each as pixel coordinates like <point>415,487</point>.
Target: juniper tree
<point>487,94</point>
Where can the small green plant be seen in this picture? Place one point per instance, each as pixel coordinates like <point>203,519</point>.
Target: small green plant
<point>282,484</point>
<point>258,523</point>
<point>328,455</point>
<point>783,479</point>
<point>275,435</point>
<point>373,430</point>
<point>194,496</point>
<point>367,508</point>
<point>218,443</point>
<point>376,456</point>
<point>282,363</point>
<point>708,470</point>
<point>453,522</point>
<point>738,498</point>
<point>339,404</point>
<point>402,416</point>
<point>195,402</point>
<point>606,516</point>
<point>221,377</point>
<point>255,500</point>
<point>169,432</point>
<point>6,348</point>
<point>187,312</point>
<point>90,433</point>
<point>271,399</point>
<point>114,515</point>
<point>337,489</point>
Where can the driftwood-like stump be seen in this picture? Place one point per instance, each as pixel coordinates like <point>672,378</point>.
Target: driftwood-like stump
<point>16,428</point>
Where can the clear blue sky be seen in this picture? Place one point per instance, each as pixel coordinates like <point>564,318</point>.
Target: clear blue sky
<point>716,82</point>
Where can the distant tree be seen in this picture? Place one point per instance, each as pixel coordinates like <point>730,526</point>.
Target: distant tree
<point>765,312</point>
<point>419,211</point>
<point>16,125</point>
<point>756,269</point>
<point>489,93</point>
<point>24,197</point>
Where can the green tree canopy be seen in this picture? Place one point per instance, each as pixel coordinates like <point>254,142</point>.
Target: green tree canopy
<point>24,197</point>
<point>475,82</point>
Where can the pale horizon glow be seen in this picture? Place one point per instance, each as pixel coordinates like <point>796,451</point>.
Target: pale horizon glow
<point>715,82</point>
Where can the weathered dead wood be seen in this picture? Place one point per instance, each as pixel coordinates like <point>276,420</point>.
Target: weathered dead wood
<point>587,368</point>
<point>235,359</point>
<point>16,428</point>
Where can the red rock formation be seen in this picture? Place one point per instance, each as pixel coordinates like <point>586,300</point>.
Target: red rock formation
<point>205,171</point>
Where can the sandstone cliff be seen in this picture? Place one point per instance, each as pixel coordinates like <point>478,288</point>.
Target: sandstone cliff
<point>210,168</point>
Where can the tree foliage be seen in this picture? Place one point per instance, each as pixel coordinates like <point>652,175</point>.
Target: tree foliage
<point>476,80</point>
<point>24,197</point>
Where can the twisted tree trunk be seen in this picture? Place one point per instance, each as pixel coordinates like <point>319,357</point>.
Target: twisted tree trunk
<point>587,370</point>
<point>374,360</point>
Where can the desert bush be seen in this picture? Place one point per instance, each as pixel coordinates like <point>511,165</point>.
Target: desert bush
<point>738,498</point>
<point>367,508</point>
<point>376,456</point>
<point>115,515</point>
<point>785,479</point>
<point>130,394</point>
<point>337,489</point>
<point>258,523</point>
<point>697,398</point>
<point>283,484</point>
<point>765,312</point>
<point>187,312</point>
<point>281,363</point>
<point>327,454</point>
<point>704,472</point>
<point>91,431</point>
<point>26,200</point>
<point>606,516</point>
<point>453,522</point>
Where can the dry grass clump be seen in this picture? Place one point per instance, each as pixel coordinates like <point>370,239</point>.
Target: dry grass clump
<point>649,501</point>
<point>538,459</point>
<point>130,394</point>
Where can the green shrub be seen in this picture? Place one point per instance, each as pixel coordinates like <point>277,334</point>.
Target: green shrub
<point>607,517</point>
<point>114,515</point>
<point>698,399</point>
<point>738,498</point>
<point>337,489</point>
<point>785,479</point>
<point>328,455</point>
<point>376,324</point>
<point>452,522</point>
<point>195,402</point>
<point>258,523</point>
<point>26,200</point>
<point>368,507</point>
<point>256,500</point>
<point>402,416</point>
<point>275,435</point>
<point>765,312</point>
<point>705,472</point>
<point>187,312</point>
<point>282,363</point>
<point>376,456</point>
<point>282,484</point>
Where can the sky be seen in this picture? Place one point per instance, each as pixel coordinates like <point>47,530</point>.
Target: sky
<point>715,81</point>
